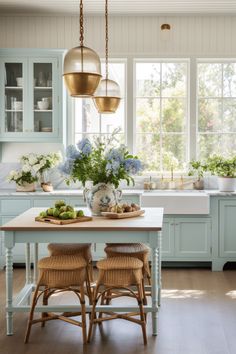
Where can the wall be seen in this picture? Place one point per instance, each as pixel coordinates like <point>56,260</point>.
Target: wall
<point>190,35</point>
<point>207,36</point>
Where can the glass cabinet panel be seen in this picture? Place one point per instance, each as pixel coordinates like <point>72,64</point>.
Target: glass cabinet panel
<point>43,97</point>
<point>14,96</point>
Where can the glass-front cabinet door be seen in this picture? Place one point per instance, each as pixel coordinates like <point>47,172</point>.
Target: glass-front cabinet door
<point>14,87</point>
<point>44,96</point>
<point>31,93</point>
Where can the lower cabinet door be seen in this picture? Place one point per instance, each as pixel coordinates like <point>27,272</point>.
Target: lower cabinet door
<point>168,244</point>
<point>193,238</point>
<point>227,229</point>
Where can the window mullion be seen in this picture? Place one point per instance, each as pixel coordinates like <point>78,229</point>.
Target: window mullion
<point>192,129</point>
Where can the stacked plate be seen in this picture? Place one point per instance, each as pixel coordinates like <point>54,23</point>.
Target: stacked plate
<point>46,129</point>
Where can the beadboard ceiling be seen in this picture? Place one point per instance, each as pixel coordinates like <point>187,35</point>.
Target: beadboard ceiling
<point>116,7</point>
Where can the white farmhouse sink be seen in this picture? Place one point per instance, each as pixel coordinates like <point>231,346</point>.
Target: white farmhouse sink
<point>177,202</point>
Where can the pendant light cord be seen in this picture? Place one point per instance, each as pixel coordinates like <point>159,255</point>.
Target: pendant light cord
<point>81,22</point>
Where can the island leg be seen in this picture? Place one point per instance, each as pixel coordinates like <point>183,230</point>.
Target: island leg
<point>9,243</point>
<point>159,268</point>
<point>27,264</point>
<point>36,256</point>
<point>155,276</point>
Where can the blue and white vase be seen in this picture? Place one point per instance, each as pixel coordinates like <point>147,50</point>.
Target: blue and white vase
<point>100,196</point>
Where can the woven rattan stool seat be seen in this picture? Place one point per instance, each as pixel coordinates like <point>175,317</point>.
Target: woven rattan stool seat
<point>137,250</point>
<point>56,249</point>
<point>119,263</point>
<point>63,262</point>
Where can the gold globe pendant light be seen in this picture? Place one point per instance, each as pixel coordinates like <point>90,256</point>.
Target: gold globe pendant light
<point>82,67</point>
<point>107,96</point>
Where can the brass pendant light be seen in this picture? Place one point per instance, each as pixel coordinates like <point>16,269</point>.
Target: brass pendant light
<point>107,96</point>
<point>82,67</point>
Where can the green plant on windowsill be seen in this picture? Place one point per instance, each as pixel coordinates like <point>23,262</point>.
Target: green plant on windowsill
<point>222,167</point>
<point>197,168</point>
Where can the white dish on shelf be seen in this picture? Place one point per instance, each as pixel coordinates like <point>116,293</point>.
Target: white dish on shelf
<point>19,81</point>
<point>43,105</point>
<point>18,105</point>
<point>46,129</point>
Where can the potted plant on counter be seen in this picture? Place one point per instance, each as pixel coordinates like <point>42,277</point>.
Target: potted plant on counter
<point>197,169</point>
<point>225,170</point>
<point>102,166</point>
<point>24,179</point>
<point>41,164</point>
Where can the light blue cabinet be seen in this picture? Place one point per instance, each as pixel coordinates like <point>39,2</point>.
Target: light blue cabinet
<point>227,228</point>
<point>31,95</point>
<point>186,239</point>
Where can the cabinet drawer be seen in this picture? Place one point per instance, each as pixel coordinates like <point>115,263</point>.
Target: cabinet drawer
<point>14,206</point>
<point>77,202</point>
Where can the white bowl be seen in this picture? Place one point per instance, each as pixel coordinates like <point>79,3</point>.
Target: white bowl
<point>43,105</point>
<point>19,81</point>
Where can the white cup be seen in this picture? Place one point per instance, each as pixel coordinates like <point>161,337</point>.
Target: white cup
<point>18,105</point>
<point>19,81</point>
<point>43,105</point>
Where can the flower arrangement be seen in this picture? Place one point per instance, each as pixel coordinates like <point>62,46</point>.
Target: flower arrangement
<point>22,177</point>
<point>41,163</point>
<point>100,162</point>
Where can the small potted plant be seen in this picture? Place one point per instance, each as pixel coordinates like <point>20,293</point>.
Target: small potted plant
<point>24,179</point>
<point>225,169</point>
<point>41,164</point>
<point>197,169</point>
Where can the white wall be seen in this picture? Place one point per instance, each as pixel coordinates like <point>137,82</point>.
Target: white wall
<point>190,35</point>
<point>207,36</point>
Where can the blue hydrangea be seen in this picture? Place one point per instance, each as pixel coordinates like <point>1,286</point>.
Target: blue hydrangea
<point>85,146</point>
<point>116,155</point>
<point>72,152</point>
<point>67,167</point>
<point>132,166</point>
<point>113,167</point>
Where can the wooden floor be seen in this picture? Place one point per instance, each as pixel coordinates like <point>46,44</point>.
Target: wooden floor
<point>197,316</point>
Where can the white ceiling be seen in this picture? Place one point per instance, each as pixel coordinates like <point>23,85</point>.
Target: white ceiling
<point>130,7</point>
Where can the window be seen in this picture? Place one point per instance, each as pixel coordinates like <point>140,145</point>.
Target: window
<point>161,114</point>
<point>216,108</point>
<point>88,122</point>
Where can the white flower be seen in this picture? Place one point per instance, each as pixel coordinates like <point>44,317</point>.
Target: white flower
<point>26,168</point>
<point>32,159</point>
<point>37,167</point>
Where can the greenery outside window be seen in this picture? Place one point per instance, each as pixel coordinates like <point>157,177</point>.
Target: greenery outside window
<point>216,104</point>
<point>161,107</point>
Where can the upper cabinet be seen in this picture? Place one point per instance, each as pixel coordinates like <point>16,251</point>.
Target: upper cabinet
<point>31,95</point>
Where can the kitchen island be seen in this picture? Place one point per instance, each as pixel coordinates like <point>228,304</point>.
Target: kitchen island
<point>25,230</point>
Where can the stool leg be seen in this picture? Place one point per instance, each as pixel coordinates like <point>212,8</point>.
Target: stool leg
<point>142,315</point>
<point>31,315</point>
<point>93,313</point>
<point>83,313</point>
<point>88,287</point>
<point>45,302</point>
<point>144,293</point>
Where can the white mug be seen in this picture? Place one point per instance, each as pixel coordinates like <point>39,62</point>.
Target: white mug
<point>18,105</point>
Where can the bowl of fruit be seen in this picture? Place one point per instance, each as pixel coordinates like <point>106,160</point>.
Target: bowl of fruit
<point>61,214</point>
<point>122,211</point>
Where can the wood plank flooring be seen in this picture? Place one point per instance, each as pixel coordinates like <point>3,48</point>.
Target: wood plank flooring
<point>197,316</point>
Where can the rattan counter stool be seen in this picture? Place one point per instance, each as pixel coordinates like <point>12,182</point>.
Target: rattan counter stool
<point>58,274</point>
<point>137,250</point>
<point>121,273</point>
<point>81,249</point>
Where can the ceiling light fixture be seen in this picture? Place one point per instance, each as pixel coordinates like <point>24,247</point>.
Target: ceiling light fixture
<point>107,96</point>
<point>82,67</point>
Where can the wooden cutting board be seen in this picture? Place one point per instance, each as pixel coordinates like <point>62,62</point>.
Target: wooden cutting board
<point>52,220</point>
<point>131,214</point>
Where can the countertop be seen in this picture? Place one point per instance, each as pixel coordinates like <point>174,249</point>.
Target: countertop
<point>79,192</point>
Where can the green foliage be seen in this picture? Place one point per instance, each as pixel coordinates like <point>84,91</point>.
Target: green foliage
<point>196,167</point>
<point>220,166</point>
